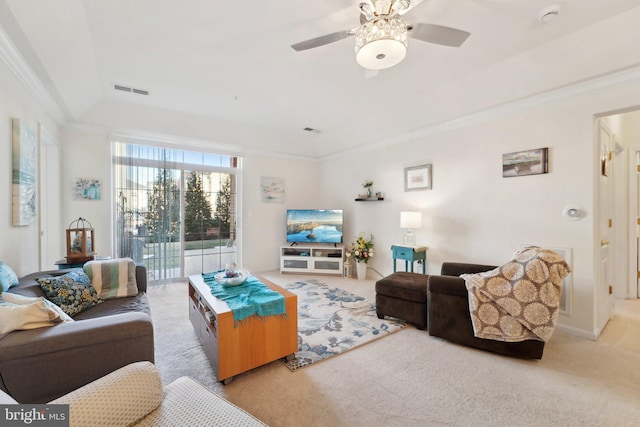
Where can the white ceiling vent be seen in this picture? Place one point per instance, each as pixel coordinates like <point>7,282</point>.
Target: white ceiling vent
<point>131,90</point>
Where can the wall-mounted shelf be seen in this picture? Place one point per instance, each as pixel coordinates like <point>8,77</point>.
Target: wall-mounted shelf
<point>370,199</point>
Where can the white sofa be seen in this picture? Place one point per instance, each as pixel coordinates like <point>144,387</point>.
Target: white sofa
<point>133,395</point>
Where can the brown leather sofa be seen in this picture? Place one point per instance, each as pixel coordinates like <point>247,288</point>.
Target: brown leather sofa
<point>39,365</point>
<point>449,318</point>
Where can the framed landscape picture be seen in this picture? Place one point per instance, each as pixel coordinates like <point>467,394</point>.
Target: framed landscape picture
<point>417,178</point>
<point>529,162</point>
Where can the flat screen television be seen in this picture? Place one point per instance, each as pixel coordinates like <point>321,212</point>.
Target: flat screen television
<point>314,225</point>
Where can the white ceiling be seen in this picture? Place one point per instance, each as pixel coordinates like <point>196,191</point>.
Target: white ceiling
<point>231,63</point>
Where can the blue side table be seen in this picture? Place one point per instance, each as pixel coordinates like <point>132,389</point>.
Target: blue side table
<point>410,254</point>
<point>64,264</point>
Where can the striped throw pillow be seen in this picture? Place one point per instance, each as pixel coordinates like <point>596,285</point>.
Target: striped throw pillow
<point>113,278</point>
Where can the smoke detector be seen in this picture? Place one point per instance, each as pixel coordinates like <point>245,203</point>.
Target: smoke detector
<point>549,14</point>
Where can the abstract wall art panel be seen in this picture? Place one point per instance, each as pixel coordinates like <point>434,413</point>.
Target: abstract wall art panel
<point>24,162</point>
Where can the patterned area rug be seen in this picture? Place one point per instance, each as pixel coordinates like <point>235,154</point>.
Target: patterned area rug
<point>332,321</point>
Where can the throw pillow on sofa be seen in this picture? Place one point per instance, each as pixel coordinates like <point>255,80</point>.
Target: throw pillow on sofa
<point>8,277</point>
<point>18,299</point>
<point>26,316</point>
<point>113,278</point>
<point>72,292</point>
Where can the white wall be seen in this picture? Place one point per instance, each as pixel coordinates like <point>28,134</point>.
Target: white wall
<point>263,224</point>
<point>18,245</point>
<point>473,214</point>
<point>87,154</point>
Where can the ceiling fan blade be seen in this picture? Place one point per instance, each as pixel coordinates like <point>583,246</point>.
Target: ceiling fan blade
<point>321,41</point>
<point>438,34</point>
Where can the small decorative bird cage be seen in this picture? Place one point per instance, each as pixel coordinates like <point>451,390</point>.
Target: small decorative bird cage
<point>80,241</point>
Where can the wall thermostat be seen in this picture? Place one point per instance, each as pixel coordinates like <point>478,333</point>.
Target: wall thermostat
<point>573,212</point>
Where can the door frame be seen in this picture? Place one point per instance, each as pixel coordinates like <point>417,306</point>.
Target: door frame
<point>49,195</point>
<point>633,264</point>
<point>602,273</point>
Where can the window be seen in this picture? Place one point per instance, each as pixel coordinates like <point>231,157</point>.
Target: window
<point>175,209</point>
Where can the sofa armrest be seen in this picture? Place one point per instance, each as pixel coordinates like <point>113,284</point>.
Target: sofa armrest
<point>42,364</point>
<point>449,285</point>
<point>120,398</point>
<point>459,268</point>
<point>184,394</point>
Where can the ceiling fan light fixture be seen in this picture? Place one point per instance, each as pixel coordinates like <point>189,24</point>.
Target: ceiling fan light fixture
<point>400,5</point>
<point>381,43</point>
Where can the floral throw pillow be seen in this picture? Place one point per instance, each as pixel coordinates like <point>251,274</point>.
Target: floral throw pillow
<point>72,292</point>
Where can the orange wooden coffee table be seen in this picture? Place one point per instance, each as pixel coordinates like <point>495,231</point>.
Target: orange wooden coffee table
<point>234,349</point>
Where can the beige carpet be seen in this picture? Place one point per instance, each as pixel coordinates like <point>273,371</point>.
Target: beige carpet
<point>412,379</point>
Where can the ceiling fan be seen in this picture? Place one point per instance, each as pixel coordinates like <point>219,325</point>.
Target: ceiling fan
<point>381,38</point>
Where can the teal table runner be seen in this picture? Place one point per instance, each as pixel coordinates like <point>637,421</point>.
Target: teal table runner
<point>252,297</point>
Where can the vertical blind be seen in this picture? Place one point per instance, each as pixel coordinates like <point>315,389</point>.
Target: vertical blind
<point>175,209</point>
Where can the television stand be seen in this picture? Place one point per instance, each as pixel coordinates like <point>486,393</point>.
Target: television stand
<point>312,259</point>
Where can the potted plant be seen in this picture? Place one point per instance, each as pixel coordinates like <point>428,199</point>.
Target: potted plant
<point>362,252</point>
<point>367,186</point>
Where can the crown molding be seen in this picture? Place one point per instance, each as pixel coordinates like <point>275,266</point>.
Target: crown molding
<point>134,136</point>
<point>625,75</point>
<point>23,72</point>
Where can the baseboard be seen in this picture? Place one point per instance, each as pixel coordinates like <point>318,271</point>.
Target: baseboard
<point>582,333</point>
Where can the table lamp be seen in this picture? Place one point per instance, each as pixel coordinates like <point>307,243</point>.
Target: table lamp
<point>410,220</point>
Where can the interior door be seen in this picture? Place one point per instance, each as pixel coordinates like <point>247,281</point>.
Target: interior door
<point>604,299</point>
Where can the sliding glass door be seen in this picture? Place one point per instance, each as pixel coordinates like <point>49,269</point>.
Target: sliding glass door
<point>209,221</point>
<point>176,209</point>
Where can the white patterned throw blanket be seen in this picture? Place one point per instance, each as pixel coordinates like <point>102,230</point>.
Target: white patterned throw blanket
<point>519,300</point>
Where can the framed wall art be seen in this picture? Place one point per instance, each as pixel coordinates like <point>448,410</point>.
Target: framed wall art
<point>86,189</point>
<point>24,167</point>
<point>529,162</point>
<point>272,189</point>
<point>417,178</point>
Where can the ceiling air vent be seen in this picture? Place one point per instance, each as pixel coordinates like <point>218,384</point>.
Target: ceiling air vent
<point>122,88</point>
<point>131,90</point>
